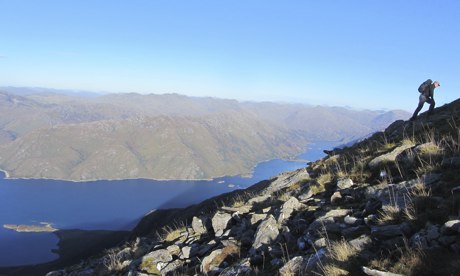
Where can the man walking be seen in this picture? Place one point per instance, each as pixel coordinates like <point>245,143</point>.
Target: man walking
<point>426,95</point>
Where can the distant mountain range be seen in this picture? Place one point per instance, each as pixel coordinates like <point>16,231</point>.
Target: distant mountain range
<point>53,134</point>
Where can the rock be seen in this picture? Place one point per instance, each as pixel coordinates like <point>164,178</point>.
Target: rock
<point>155,261</point>
<point>198,226</point>
<point>321,242</point>
<point>204,249</point>
<point>256,218</point>
<point>374,272</point>
<point>353,221</point>
<point>455,247</point>
<point>220,222</point>
<point>356,231</point>
<point>301,243</point>
<point>247,238</point>
<point>452,162</point>
<point>344,183</point>
<point>189,251</point>
<point>432,232</point>
<point>336,198</point>
<point>266,233</point>
<point>172,267</point>
<point>288,208</point>
<point>300,265</point>
<point>361,242</point>
<point>285,180</point>
<point>141,247</point>
<point>372,206</point>
<point>173,249</point>
<point>238,210</point>
<point>389,157</point>
<point>242,268</point>
<point>370,220</point>
<point>276,262</point>
<point>306,195</point>
<point>323,221</point>
<point>215,259</point>
<point>451,227</point>
<point>258,199</point>
<point>386,231</point>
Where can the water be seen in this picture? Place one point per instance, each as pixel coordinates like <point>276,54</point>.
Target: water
<point>105,205</point>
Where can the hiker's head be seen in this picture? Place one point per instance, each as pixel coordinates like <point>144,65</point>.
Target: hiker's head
<point>436,84</point>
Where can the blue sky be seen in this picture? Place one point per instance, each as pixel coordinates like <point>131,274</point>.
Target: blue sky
<point>363,54</point>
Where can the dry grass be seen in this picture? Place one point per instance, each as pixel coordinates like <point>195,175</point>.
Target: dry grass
<point>341,251</point>
<point>112,261</point>
<point>172,233</point>
<point>405,261</point>
<point>389,214</point>
<point>339,258</point>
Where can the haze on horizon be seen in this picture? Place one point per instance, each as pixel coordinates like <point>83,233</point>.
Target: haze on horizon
<point>363,54</point>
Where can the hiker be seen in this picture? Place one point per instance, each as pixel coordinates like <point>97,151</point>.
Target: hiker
<point>426,90</point>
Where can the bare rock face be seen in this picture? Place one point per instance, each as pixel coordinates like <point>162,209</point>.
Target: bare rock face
<point>288,208</point>
<point>220,222</point>
<point>266,233</point>
<point>344,183</point>
<point>389,157</point>
<point>198,226</point>
<point>300,265</point>
<point>155,260</point>
<point>213,261</point>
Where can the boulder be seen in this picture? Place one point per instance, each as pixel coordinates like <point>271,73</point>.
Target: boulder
<point>155,260</point>
<point>352,221</point>
<point>389,157</point>
<point>300,265</point>
<point>451,227</point>
<point>361,242</point>
<point>220,222</point>
<point>198,226</point>
<point>329,218</point>
<point>344,183</point>
<point>288,208</point>
<point>173,249</point>
<point>354,232</point>
<point>241,268</point>
<point>336,198</point>
<point>256,218</point>
<point>386,231</point>
<point>213,261</point>
<point>375,272</point>
<point>172,267</point>
<point>266,233</point>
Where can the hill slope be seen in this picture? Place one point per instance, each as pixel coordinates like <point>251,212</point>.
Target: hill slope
<point>388,203</point>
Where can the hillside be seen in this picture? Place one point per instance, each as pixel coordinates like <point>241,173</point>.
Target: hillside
<point>388,205</point>
<point>47,134</point>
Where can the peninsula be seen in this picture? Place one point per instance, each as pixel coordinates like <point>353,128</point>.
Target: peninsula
<point>44,227</point>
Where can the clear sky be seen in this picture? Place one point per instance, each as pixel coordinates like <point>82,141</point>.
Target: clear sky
<point>364,54</point>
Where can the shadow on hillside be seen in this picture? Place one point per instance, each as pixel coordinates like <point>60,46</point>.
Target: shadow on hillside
<point>73,245</point>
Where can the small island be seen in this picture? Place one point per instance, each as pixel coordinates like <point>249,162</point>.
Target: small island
<point>44,227</point>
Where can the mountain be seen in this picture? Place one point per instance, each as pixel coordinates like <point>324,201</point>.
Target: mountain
<point>161,147</point>
<point>388,205</point>
<point>171,136</point>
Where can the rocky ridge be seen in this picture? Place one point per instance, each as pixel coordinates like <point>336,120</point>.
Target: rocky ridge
<point>388,205</point>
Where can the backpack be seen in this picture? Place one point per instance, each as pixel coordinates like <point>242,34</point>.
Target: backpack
<point>424,85</point>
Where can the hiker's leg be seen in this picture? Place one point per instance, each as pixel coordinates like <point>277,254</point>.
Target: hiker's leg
<point>432,104</point>
<point>421,101</point>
